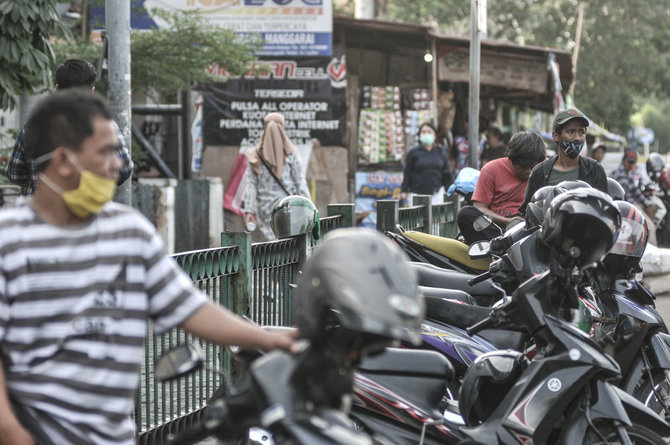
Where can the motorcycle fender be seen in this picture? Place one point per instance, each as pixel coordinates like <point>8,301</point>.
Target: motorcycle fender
<point>633,376</point>
<point>641,414</point>
<point>608,405</point>
<point>660,350</point>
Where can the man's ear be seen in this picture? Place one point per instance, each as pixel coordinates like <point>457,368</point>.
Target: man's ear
<point>60,162</point>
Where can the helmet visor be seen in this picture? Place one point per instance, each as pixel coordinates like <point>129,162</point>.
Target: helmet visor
<point>632,238</point>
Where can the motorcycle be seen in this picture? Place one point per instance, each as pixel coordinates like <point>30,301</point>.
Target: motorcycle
<point>563,395</point>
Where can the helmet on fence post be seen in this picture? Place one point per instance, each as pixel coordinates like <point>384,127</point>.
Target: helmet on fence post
<point>581,226</point>
<point>359,280</point>
<point>624,257</point>
<point>295,215</point>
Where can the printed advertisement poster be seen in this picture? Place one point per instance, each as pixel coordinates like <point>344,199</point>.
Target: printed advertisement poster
<point>371,186</point>
<point>288,27</point>
<point>310,94</point>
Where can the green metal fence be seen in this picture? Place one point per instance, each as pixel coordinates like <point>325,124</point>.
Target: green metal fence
<point>251,280</point>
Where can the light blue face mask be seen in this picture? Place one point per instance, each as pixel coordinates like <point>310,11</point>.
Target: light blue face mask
<point>427,139</point>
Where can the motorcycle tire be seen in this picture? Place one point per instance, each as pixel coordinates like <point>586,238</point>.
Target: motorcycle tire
<point>649,394</point>
<point>638,434</point>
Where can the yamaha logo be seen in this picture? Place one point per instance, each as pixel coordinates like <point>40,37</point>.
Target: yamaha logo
<point>554,385</point>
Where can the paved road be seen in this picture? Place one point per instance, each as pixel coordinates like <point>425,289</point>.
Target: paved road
<point>663,306</point>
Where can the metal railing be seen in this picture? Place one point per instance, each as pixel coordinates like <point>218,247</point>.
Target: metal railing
<point>251,280</point>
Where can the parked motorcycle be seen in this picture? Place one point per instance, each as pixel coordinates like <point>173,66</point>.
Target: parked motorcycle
<point>564,394</point>
<point>660,193</point>
<point>356,296</point>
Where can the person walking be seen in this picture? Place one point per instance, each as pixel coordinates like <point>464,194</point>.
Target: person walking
<point>569,134</point>
<point>501,186</point>
<point>426,169</point>
<point>73,73</point>
<point>274,171</point>
<point>79,277</point>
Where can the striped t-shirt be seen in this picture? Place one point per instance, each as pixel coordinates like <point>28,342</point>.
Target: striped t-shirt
<point>73,308</point>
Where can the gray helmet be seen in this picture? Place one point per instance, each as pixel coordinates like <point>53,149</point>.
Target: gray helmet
<point>615,190</point>
<point>295,215</point>
<point>363,278</point>
<point>573,184</point>
<point>537,204</point>
<point>655,164</point>
<point>581,226</point>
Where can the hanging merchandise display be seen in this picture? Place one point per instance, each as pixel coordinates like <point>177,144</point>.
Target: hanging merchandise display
<point>380,128</point>
<point>418,109</point>
<point>389,121</point>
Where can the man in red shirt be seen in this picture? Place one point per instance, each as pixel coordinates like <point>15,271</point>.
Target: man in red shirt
<point>501,186</point>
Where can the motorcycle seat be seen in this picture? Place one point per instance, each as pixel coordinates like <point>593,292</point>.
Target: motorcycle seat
<point>448,247</point>
<point>447,294</point>
<point>408,361</point>
<point>463,316</point>
<point>433,276</point>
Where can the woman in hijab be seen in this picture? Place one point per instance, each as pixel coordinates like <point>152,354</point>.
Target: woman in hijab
<point>274,171</point>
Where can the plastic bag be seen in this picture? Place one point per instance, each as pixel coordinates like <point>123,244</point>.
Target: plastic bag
<point>465,181</point>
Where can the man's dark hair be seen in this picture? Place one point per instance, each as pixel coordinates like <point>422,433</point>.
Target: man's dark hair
<point>75,73</point>
<point>62,119</point>
<point>526,149</point>
<point>495,131</point>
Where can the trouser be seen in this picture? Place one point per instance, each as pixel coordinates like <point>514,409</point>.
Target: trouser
<point>465,220</point>
<point>650,224</point>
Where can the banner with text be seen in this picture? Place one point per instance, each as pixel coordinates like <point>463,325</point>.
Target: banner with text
<point>310,94</point>
<point>288,27</point>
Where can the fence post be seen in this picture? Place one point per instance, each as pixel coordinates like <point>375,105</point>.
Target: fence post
<point>387,214</point>
<point>348,212</point>
<point>241,281</point>
<point>427,202</point>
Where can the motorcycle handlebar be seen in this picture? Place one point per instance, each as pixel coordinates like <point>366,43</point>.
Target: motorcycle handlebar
<point>479,278</point>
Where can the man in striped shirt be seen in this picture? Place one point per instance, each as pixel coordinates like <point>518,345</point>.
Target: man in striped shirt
<point>79,276</point>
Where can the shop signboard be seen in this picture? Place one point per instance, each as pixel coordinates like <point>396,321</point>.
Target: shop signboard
<point>520,72</point>
<point>309,93</point>
<point>288,28</point>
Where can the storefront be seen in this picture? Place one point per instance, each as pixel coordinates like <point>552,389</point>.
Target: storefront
<point>392,87</point>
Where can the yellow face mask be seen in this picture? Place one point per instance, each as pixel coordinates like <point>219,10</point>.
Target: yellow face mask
<point>93,193</point>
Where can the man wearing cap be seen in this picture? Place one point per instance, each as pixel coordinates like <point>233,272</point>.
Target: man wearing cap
<point>630,181</point>
<point>569,134</point>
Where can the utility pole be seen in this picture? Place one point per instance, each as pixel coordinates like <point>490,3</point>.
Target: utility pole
<point>477,33</point>
<point>117,25</point>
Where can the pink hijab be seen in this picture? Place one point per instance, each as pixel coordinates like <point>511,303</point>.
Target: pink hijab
<point>274,145</point>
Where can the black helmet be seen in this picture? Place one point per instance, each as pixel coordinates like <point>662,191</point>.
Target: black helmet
<point>655,164</point>
<point>573,184</point>
<point>294,215</point>
<point>491,374</point>
<point>537,204</point>
<point>365,279</point>
<point>581,226</point>
<point>615,190</point>
<point>624,257</point>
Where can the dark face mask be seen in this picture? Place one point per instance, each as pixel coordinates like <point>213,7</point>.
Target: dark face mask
<point>571,149</point>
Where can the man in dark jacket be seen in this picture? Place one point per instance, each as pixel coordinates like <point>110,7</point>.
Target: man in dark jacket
<point>569,134</point>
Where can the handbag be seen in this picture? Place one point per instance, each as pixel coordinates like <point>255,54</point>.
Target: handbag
<point>281,184</point>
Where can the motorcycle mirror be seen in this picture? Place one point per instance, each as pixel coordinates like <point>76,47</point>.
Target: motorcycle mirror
<point>482,222</point>
<point>479,249</point>
<point>177,362</point>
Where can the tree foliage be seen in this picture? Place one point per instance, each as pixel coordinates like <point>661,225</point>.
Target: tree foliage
<point>177,55</point>
<point>25,49</point>
<point>624,48</point>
